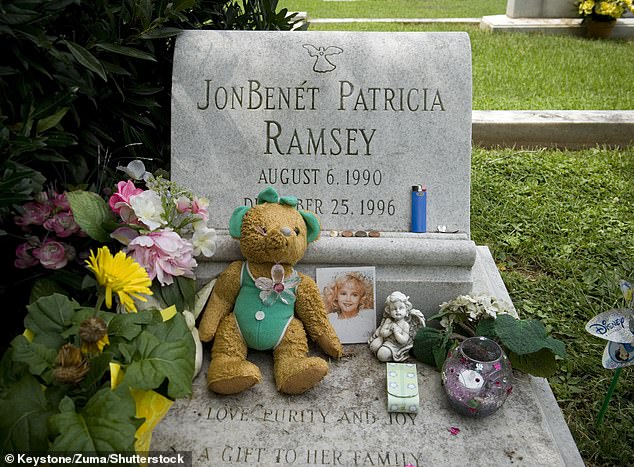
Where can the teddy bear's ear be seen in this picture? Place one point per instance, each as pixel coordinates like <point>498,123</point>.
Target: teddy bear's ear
<point>268,195</point>
<point>312,226</point>
<point>235,223</point>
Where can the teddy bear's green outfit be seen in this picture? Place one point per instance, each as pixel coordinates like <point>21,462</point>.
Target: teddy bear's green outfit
<point>262,327</point>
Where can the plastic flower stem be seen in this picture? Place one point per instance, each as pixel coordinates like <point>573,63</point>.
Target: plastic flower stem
<point>470,332</point>
<point>460,337</point>
<point>100,301</point>
<point>608,396</point>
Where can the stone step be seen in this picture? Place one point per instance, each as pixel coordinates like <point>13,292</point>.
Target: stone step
<point>571,129</point>
<point>395,20</point>
<point>624,28</point>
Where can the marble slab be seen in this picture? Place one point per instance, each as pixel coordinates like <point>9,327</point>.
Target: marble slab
<point>347,122</point>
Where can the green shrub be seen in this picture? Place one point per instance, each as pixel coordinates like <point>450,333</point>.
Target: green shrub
<point>85,86</point>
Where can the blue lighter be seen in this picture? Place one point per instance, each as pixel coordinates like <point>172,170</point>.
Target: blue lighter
<point>419,208</point>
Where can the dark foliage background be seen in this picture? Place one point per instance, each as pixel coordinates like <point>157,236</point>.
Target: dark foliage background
<point>84,87</point>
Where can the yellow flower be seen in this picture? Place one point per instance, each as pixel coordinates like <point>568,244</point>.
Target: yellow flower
<point>612,8</point>
<point>120,274</point>
<point>586,7</point>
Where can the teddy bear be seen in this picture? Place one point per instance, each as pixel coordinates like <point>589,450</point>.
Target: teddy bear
<point>262,303</point>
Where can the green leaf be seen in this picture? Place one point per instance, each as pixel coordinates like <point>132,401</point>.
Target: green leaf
<point>54,157</point>
<point>48,317</point>
<point>181,293</point>
<point>183,5</point>
<point>202,296</point>
<point>187,289</point>
<point>128,51</point>
<point>542,363</point>
<point>38,357</point>
<point>51,105</point>
<point>86,59</point>
<point>90,212</point>
<point>105,424</point>
<point>163,350</point>
<point>128,326</point>
<point>12,14</point>
<point>52,120</point>
<point>25,412</point>
<point>526,336</point>
<point>43,288</point>
<point>169,294</point>
<point>426,340</point>
<point>8,71</point>
<point>486,328</point>
<point>98,367</point>
<point>161,33</point>
<point>440,355</point>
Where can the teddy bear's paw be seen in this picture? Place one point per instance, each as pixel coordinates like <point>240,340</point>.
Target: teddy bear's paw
<point>330,344</point>
<point>298,375</point>
<point>232,377</point>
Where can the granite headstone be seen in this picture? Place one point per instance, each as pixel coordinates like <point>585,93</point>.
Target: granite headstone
<point>347,122</point>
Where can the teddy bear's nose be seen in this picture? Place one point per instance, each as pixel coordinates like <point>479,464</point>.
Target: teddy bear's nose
<point>286,231</point>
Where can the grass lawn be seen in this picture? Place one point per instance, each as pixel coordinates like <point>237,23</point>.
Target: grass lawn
<point>560,227</point>
<point>538,72</point>
<point>395,8</point>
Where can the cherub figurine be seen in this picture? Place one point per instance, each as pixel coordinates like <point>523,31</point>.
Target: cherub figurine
<point>395,335</point>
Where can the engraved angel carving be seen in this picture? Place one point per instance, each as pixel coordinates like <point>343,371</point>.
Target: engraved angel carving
<point>322,64</point>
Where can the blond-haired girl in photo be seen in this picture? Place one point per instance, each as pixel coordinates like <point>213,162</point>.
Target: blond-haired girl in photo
<point>348,294</point>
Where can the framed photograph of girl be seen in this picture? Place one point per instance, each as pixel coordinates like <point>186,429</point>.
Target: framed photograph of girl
<point>349,296</point>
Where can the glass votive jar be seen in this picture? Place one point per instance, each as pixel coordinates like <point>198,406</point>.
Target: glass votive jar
<point>476,377</point>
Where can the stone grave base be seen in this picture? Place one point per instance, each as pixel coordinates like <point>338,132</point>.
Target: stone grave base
<point>344,421</point>
<point>430,268</point>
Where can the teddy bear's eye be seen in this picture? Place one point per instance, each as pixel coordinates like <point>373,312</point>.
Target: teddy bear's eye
<point>296,230</point>
<point>260,230</point>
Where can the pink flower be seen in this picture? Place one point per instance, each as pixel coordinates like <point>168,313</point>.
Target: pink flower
<point>454,430</point>
<point>183,204</point>
<point>199,208</point>
<point>54,255</point>
<point>63,224</point>
<point>34,213</point>
<point>24,257</point>
<point>120,201</point>
<point>124,234</point>
<point>163,254</point>
<point>60,201</point>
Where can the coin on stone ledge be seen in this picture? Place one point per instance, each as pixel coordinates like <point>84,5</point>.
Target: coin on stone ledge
<point>347,233</point>
<point>374,233</point>
<point>361,233</point>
